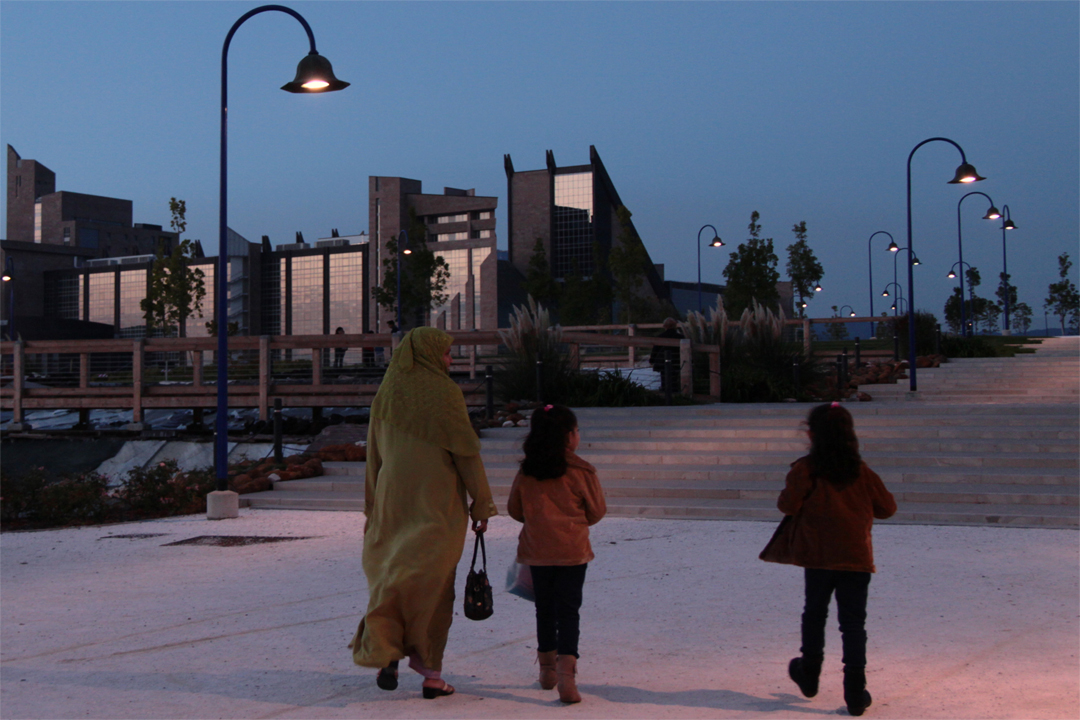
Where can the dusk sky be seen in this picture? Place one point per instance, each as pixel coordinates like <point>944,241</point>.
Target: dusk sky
<point>701,111</point>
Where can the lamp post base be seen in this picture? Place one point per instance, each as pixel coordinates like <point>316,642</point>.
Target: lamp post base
<point>222,505</point>
<point>1006,333</point>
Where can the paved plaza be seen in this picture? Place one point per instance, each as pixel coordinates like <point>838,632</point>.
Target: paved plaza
<point>680,620</point>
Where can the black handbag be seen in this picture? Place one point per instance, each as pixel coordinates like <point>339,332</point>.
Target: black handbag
<point>779,548</point>
<point>478,599</point>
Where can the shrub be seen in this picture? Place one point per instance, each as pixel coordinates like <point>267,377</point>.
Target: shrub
<point>163,490</point>
<point>607,389</point>
<point>19,494</point>
<point>925,333</point>
<point>967,347</point>
<point>74,500</point>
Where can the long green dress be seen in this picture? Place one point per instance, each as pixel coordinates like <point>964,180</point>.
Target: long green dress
<point>416,506</point>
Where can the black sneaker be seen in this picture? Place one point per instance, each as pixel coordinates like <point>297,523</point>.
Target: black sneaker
<point>857,708</point>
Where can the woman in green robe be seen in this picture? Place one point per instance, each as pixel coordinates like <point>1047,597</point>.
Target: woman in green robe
<point>422,458</point>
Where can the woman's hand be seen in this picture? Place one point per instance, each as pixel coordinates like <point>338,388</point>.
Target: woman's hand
<point>479,526</point>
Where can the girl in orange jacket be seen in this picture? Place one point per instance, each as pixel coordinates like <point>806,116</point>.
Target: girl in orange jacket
<point>557,496</point>
<point>834,497</point>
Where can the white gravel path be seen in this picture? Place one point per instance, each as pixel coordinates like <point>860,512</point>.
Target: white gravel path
<point>680,621</point>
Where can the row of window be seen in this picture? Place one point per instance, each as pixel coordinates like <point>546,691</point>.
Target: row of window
<point>461,217</point>
<point>475,235</point>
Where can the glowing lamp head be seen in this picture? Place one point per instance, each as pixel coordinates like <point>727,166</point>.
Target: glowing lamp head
<point>716,242</point>
<point>406,251</point>
<point>966,174</point>
<point>952,275</point>
<point>885,293</point>
<point>992,214</point>
<point>915,260</point>
<point>817,288</point>
<point>1010,225</point>
<point>314,74</point>
<point>893,247</point>
<point>852,313</point>
<point>6,278</point>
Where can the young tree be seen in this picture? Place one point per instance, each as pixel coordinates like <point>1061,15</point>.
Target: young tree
<point>975,303</point>
<point>751,273</point>
<point>1006,290</point>
<point>175,292</point>
<point>952,311</point>
<point>539,282</point>
<point>585,301</point>
<point>836,331</point>
<point>1062,299</point>
<point>629,262</point>
<point>1020,315</point>
<point>424,276</point>
<point>803,267</point>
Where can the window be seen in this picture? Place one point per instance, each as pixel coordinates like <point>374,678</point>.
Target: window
<point>67,236</point>
<point>37,222</point>
<point>452,218</point>
<point>573,241</point>
<point>444,237</point>
<point>481,234</point>
<point>482,215</point>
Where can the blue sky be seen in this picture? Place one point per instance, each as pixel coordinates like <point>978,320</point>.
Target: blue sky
<point>701,111</point>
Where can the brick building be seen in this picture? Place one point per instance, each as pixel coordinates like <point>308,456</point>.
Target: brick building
<point>460,229</point>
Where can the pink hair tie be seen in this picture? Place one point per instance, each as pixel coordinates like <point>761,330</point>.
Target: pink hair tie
<point>836,404</point>
<point>547,408</point>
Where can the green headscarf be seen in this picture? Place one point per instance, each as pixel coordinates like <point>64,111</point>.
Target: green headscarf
<point>418,396</point>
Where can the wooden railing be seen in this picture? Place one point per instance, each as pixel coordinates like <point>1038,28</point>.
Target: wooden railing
<point>262,369</point>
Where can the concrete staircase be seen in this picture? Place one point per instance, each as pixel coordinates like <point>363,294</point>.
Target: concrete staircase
<point>997,458</point>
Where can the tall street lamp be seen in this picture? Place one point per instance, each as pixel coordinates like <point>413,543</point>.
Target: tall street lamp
<point>716,242</point>
<point>9,280</point>
<point>313,74</point>
<point>899,297</point>
<point>965,173</point>
<point>971,295</point>
<point>851,314</point>
<point>991,214</point>
<point>1006,225</point>
<point>402,249</point>
<point>870,260</point>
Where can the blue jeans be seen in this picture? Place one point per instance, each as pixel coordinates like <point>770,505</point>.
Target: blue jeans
<point>558,600</point>
<point>851,589</point>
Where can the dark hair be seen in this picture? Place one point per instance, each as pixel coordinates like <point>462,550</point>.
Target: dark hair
<point>545,445</point>
<point>834,449</point>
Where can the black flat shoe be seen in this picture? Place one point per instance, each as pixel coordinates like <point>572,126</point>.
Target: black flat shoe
<point>387,677</point>
<point>431,693</point>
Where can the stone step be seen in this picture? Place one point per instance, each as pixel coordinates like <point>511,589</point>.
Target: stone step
<point>799,445</point>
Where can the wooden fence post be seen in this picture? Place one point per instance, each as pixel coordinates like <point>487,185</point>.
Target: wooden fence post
<point>84,370</point>
<point>136,385</point>
<point>631,331</point>
<point>806,336</point>
<point>18,370</point>
<point>316,366</point>
<point>686,368</point>
<point>714,375</point>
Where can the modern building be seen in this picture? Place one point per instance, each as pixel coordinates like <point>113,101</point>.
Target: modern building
<point>37,213</point>
<point>460,229</point>
<point>573,211</point>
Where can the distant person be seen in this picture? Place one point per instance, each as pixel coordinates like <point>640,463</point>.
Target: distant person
<point>834,498</point>
<point>392,325</point>
<point>423,456</point>
<point>339,353</point>
<point>557,496</point>
<point>665,360</point>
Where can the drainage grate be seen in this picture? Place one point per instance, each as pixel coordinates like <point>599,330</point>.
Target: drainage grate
<point>231,540</point>
<point>133,536</point>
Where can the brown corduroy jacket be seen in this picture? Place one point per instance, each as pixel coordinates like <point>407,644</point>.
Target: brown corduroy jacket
<point>832,530</point>
<point>557,514</point>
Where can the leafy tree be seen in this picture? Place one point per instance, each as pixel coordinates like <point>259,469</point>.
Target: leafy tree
<point>1006,289</point>
<point>836,331</point>
<point>803,267</point>
<point>424,276</point>
<point>751,273</point>
<point>952,311</point>
<point>1020,316</point>
<point>539,282</point>
<point>174,292</point>
<point>585,301</point>
<point>628,261</point>
<point>975,303</point>
<point>1062,298</point>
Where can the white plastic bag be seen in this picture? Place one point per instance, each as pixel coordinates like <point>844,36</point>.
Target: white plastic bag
<point>519,581</point>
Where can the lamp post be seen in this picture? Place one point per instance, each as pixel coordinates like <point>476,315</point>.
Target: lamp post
<point>1006,225</point>
<point>9,280</point>
<point>402,249</point>
<point>965,173</point>
<point>971,296</point>
<point>851,314</point>
<point>313,74</point>
<point>991,214</point>
<point>898,304</point>
<point>716,242</point>
<point>870,260</point>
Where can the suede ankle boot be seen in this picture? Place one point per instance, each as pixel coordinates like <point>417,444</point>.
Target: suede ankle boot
<point>856,696</point>
<point>805,672</point>
<point>548,677</point>
<point>566,667</point>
